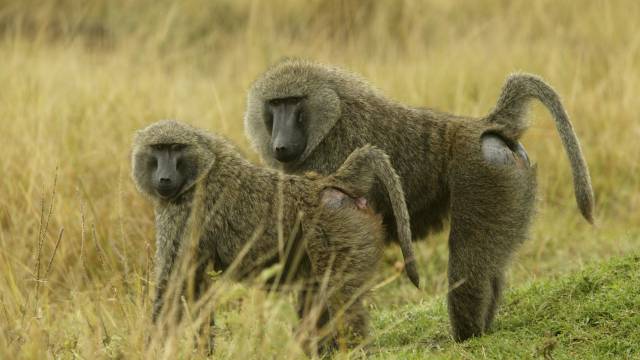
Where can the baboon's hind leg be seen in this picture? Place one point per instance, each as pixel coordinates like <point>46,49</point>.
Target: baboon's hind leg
<point>492,198</point>
<point>344,251</point>
<point>314,315</point>
<point>333,315</point>
<point>351,318</point>
<point>470,291</point>
<point>497,283</point>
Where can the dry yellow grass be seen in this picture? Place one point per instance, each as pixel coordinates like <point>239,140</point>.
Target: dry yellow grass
<point>78,79</point>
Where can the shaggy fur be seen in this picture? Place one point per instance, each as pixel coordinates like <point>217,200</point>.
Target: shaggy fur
<point>319,229</point>
<point>473,169</point>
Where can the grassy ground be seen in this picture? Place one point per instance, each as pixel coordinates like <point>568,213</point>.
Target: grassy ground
<point>593,314</point>
<point>76,240</point>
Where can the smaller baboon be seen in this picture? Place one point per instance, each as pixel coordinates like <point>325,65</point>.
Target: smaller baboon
<point>320,229</point>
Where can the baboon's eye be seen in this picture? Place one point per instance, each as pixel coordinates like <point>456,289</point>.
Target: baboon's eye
<point>178,147</point>
<point>300,118</point>
<point>153,162</point>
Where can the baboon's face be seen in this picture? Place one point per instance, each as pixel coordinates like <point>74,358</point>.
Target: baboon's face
<point>169,168</point>
<point>285,121</point>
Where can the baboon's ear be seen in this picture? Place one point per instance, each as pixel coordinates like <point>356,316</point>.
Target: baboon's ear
<point>322,107</point>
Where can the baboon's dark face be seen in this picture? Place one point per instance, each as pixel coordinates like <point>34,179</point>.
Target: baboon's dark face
<point>168,168</point>
<point>285,121</point>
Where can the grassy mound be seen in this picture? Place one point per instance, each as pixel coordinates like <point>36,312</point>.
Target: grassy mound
<point>594,313</point>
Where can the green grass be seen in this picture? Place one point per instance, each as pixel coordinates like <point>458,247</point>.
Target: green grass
<point>592,314</point>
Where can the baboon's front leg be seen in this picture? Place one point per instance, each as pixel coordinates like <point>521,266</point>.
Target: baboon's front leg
<point>164,267</point>
<point>201,285</point>
<point>181,276</point>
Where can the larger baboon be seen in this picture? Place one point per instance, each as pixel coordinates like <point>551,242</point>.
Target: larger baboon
<point>319,229</point>
<point>304,116</point>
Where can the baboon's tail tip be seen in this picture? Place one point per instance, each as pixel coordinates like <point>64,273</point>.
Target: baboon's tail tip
<point>584,191</point>
<point>589,218</point>
<point>587,212</point>
<point>587,209</point>
<point>412,273</point>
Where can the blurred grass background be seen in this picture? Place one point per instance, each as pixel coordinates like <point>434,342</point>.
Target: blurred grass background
<point>79,77</point>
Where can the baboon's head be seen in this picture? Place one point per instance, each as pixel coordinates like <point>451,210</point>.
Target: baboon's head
<point>168,158</point>
<point>290,109</point>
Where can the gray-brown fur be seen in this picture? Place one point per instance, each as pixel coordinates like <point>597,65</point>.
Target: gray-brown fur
<point>510,115</point>
<point>326,225</point>
<point>473,170</point>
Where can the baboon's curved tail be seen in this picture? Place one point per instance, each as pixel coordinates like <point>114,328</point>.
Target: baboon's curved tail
<point>510,113</point>
<point>358,172</point>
